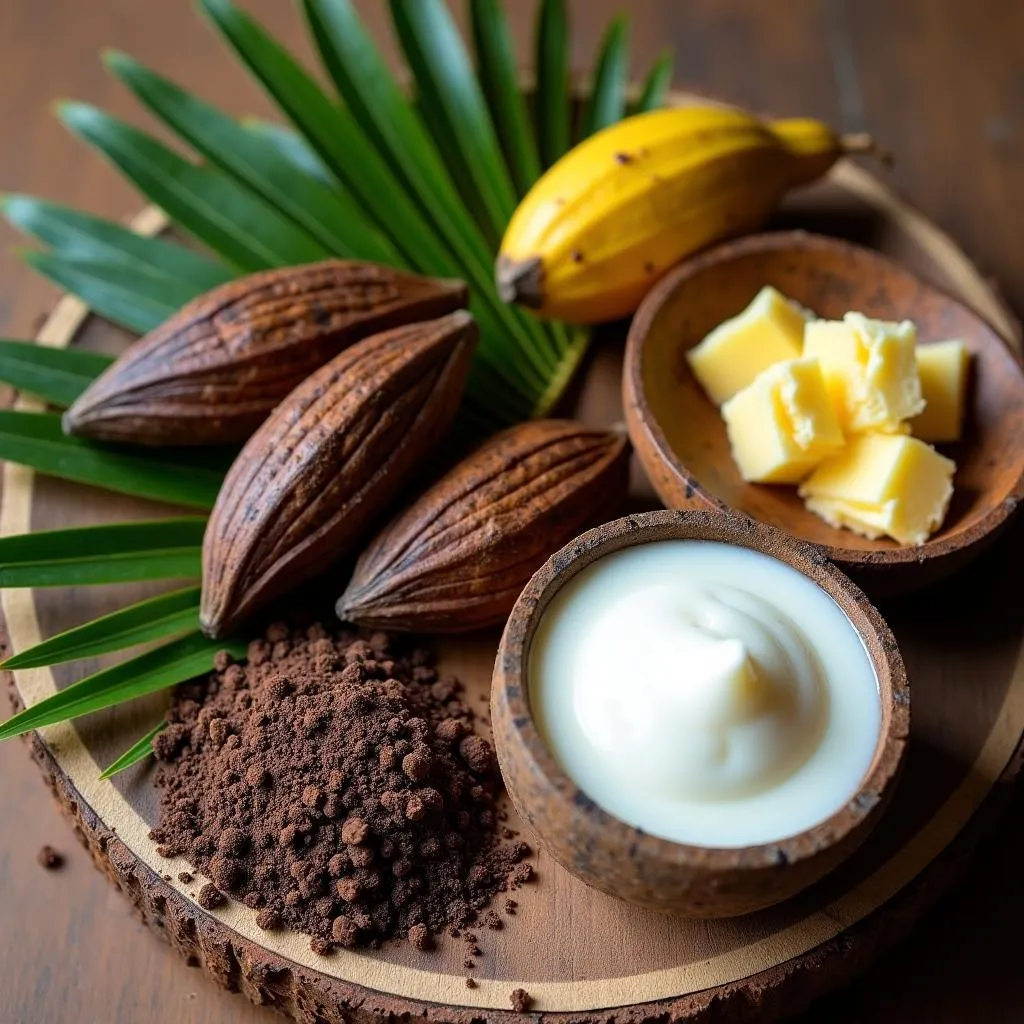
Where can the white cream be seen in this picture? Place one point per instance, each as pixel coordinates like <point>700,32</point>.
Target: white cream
<point>705,693</point>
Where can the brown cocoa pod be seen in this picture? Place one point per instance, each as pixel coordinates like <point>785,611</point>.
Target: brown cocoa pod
<point>457,559</point>
<point>327,461</point>
<point>213,371</point>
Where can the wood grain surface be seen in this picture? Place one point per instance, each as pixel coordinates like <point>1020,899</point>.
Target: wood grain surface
<point>69,949</point>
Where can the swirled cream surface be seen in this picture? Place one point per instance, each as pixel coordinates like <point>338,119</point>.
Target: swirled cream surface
<point>704,693</point>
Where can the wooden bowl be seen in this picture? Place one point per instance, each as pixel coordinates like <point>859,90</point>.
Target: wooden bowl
<point>680,437</point>
<point>626,862</point>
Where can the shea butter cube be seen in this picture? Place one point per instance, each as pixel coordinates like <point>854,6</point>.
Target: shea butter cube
<point>870,369</point>
<point>783,424</point>
<point>942,368</point>
<point>768,331</point>
<point>883,484</point>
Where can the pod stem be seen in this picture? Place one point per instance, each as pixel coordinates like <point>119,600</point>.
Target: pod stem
<point>861,143</point>
<point>520,281</point>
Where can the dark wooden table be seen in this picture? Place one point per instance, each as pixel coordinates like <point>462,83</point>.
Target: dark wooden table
<point>941,82</point>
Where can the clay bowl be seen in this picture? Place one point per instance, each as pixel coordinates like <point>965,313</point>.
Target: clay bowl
<point>680,437</point>
<point>640,868</point>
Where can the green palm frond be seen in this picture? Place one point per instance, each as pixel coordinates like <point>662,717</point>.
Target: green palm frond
<point>427,182</point>
<point>79,236</point>
<point>157,549</point>
<point>188,479</point>
<point>133,297</point>
<point>552,102</point>
<point>292,146</point>
<point>56,375</point>
<point>137,752</point>
<point>334,135</point>
<point>141,623</point>
<point>607,101</point>
<point>496,67</point>
<point>237,224</point>
<point>654,91</point>
<point>326,213</point>
<point>385,115</point>
<point>447,86</point>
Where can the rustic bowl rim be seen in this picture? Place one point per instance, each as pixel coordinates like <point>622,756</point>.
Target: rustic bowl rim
<point>511,685</point>
<point>641,417</point>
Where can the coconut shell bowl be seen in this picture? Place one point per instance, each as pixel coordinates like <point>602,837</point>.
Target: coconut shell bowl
<point>627,862</point>
<point>680,437</point>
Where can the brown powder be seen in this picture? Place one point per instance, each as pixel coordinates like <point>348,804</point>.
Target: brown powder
<point>49,858</point>
<point>210,897</point>
<point>521,1000</point>
<point>337,788</point>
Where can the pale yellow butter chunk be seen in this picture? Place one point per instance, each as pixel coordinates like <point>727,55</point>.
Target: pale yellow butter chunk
<point>783,424</point>
<point>942,368</point>
<point>768,331</point>
<point>883,484</point>
<point>870,369</point>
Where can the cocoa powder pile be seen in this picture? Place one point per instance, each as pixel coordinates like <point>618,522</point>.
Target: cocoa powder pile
<point>336,788</point>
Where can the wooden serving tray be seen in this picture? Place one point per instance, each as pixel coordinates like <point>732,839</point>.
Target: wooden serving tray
<point>582,955</point>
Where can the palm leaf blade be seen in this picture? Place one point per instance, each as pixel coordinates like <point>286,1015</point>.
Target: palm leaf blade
<point>292,146</point>
<point>137,752</point>
<point>385,115</point>
<point>129,296</point>
<point>439,132</point>
<point>36,440</point>
<point>607,102</point>
<point>140,623</point>
<point>243,228</point>
<point>577,343</point>
<point>333,133</point>
<point>78,235</point>
<point>57,375</point>
<point>445,82</point>
<point>112,553</point>
<point>173,663</point>
<point>552,99</point>
<point>496,67</point>
<point>656,85</point>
